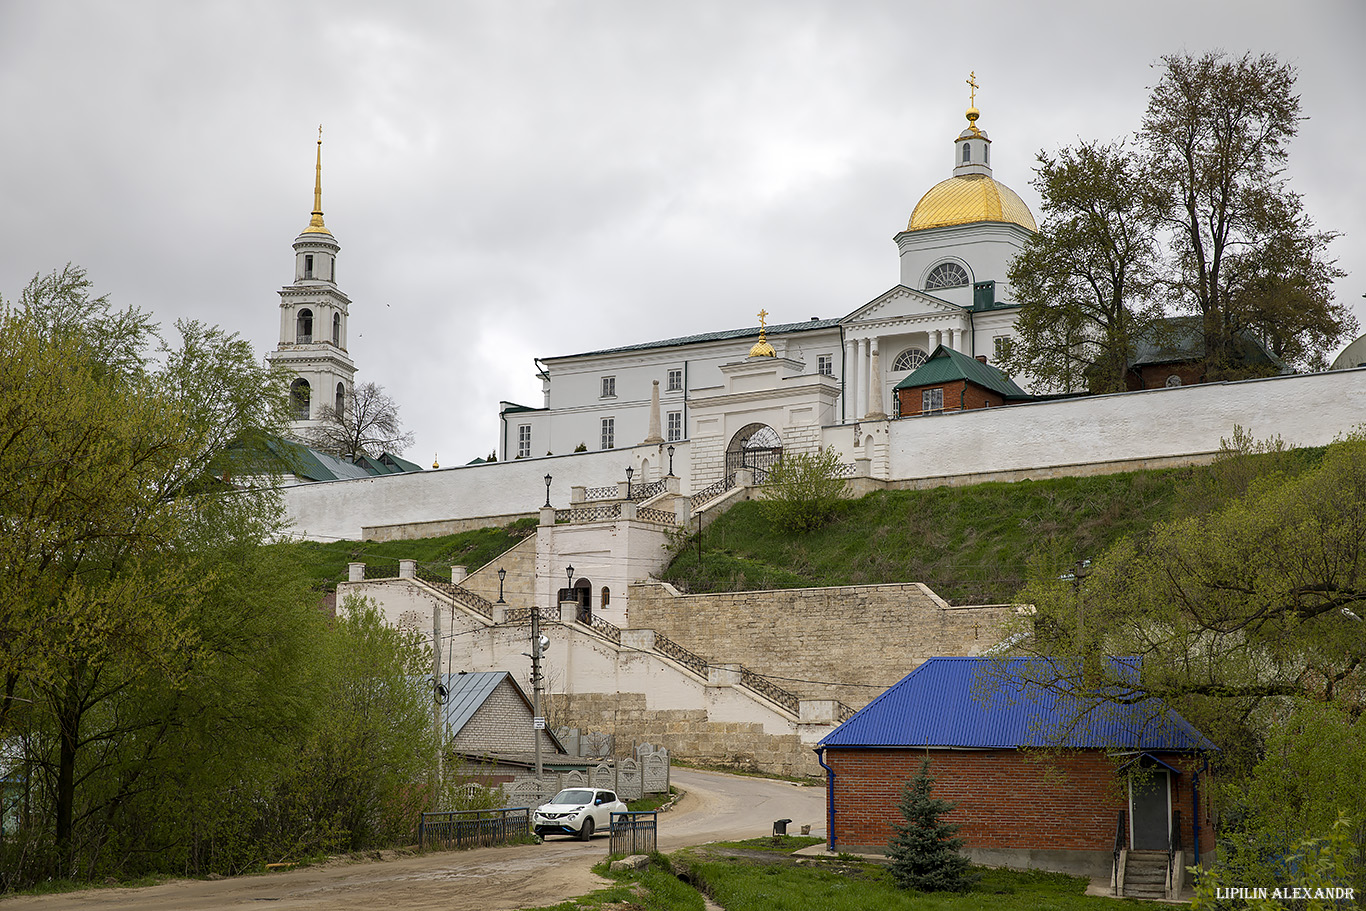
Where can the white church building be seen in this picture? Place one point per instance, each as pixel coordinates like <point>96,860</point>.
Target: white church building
<point>955,252</point>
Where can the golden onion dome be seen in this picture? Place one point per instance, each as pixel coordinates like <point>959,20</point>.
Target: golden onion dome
<point>967,199</point>
<point>762,349</point>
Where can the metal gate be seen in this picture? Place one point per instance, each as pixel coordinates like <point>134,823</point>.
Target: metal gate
<point>759,458</point>
<point>635,832</point>
<point>464,828</point>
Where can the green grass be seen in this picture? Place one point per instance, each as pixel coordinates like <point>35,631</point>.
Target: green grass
<point>970,544</point>
<point>326,563</point>
<point>652,801</point>
<point>653,889</point>
<point>786,884</point>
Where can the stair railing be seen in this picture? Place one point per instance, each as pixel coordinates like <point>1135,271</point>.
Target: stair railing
<point>1120,839</point>
<point>1173,846</point>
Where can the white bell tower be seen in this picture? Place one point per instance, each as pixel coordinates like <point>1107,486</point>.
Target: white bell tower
<point>313,315</point>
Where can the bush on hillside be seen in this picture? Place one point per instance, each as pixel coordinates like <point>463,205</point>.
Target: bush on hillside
<point>805,490</point>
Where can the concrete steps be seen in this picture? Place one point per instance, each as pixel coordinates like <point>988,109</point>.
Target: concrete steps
<point>1145,874</point>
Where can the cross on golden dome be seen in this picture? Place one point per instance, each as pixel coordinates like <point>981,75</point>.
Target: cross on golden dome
<point>762,348</point>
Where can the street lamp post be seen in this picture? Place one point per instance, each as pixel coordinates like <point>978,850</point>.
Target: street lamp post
<point>629,471</point>
<point>547,490</point>
<point>502,574</point>
<point>671,461</point>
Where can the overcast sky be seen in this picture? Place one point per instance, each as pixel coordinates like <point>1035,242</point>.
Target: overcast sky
<point>511,180</point>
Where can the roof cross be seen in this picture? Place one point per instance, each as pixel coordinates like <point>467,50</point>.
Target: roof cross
<point>972,81</point>
<point>762,314</point>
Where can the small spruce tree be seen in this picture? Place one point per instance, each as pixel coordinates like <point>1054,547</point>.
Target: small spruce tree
<point>924,851</point>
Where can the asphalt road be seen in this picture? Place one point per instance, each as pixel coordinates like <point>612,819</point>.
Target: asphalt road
<point>716,807</point>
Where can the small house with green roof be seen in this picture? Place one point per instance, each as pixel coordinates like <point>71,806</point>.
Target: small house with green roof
<point>952,381</point>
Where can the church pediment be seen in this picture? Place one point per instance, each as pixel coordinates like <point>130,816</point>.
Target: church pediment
<point>900,303</point>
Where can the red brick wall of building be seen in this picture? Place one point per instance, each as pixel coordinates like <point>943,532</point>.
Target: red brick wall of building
<point>958,396</point>
<point>1005,799</point>
<point>1154,376</point>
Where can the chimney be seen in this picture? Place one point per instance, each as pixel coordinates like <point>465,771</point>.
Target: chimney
<point>982,358</point>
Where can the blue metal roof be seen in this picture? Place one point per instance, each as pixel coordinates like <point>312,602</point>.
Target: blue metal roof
<point>992,703</point>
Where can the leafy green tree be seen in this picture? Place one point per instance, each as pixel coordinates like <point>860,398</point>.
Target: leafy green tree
<point>114,543</point>
<point>924,851</point>
<point>1236,611</point>
<point>804,490</point>
<point>1244,253</point>
<point>1084,282</point>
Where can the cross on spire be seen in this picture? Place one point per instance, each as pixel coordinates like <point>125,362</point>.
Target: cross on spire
<point>762,314</point>
<point>972,81</point>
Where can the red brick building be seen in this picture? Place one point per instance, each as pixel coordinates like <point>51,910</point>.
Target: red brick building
<point>1172,353</point>
<point>951,381</point>
<point>1042,777</point>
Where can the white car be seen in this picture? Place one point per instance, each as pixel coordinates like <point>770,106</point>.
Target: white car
<point>577,811</point>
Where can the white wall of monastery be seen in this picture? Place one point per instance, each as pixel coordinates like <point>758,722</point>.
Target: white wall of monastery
<point>1304,410</point>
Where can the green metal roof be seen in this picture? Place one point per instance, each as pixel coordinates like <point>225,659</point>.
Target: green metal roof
<point>781,329</point>
<point>1177,339</point>
<point>946,366</point>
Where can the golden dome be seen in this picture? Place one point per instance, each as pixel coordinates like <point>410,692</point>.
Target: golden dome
<point>762,349</point>
<point>967,199</point>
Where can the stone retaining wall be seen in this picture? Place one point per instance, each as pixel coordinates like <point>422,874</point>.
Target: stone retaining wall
<point>854,641</point>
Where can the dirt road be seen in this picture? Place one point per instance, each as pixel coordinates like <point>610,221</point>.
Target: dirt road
<point>715,807</point>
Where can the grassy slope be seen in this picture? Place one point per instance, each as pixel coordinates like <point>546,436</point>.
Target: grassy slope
<point>326,563</point>
<point>969,544</point>
<point>972,545</point>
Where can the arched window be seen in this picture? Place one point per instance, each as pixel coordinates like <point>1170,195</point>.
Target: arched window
<point>946,275</point>
<point>341,398</point>
<point>967,152</point>
<point>299,395</point>
<point>336,329</point>
<point>909,359</point>
<point>303,329</point>
<point>606,596</point>
<point>308,265</point>
<point>986,154</point>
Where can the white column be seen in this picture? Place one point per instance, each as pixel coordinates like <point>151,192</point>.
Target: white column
<point>850,380</point>
<point>875,412</point>
<point>862,408</point>
<point>938,337</point>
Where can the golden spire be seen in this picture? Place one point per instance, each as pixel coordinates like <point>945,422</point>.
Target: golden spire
<point>435,462</point>
<point>315,224</point>
<point>762,348</point>
<point>973,113</point>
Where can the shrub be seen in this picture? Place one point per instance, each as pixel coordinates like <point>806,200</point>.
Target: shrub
<point>805,490</point>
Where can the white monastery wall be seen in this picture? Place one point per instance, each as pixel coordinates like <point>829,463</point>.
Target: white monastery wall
<point>340,509</point>
<point>1305,410</point>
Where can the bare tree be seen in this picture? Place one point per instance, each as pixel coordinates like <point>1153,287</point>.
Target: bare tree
<point>368,424</point>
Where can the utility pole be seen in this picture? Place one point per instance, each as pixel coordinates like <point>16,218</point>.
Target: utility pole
<point>438,692</point>
<point>539,721</point>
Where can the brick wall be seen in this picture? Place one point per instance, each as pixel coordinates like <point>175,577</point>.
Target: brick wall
<point>1154,376</point>
<point>958,396</point>
<point>820,634</point>
<point>1006,799</point>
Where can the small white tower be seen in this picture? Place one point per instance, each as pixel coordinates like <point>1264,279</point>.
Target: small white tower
<point>313,314</point>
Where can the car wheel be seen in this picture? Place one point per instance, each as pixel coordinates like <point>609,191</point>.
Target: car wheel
<point>586,830</point>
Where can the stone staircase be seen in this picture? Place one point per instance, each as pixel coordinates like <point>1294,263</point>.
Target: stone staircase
<point>1145,875</point>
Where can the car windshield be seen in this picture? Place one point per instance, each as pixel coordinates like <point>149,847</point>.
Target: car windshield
<point>573,796</point>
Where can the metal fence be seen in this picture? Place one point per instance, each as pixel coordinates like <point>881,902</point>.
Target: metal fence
<point>468,828</point>
<point>635,832</point>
